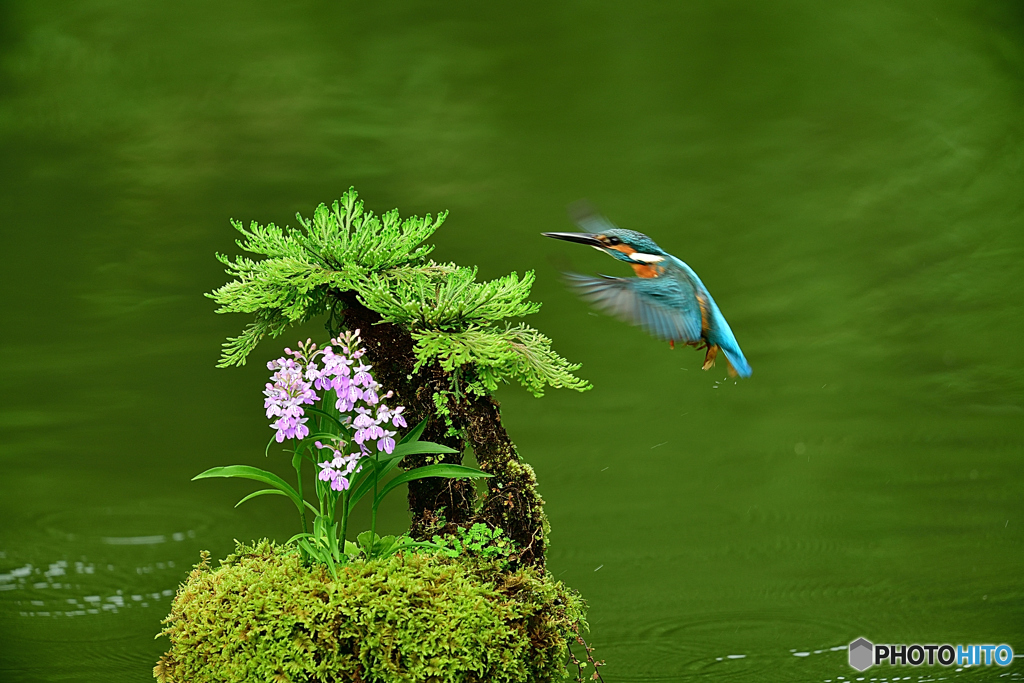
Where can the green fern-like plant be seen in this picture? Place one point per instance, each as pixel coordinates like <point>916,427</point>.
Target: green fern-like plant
<point>521,352</point>
<point>449,298</point>
<point>457,322</point>
<point>339,249</point>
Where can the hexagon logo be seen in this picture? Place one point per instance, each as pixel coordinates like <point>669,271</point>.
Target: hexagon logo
<point>861,654</point>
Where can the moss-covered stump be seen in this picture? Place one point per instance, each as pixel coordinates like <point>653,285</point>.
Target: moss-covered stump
<point>264,616</point>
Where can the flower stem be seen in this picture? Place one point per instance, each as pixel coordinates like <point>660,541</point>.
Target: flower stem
<point>344,518</point>
<point>297,464</point>
<point>373,506</point>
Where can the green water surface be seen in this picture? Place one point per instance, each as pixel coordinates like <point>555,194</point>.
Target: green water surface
<point>846,178</point>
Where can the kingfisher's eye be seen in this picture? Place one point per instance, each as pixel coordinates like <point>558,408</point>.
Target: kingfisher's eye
<point>614,240</point>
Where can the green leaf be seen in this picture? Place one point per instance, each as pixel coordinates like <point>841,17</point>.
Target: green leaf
<point>442,470</point>
<point>378,546</point>
<point>406,543</point>
<point>330,564</point>
<point>367,483</point>
<point>319,436</point>
<point>382,545</point>
<point>324,413</point>
<point>262,492</point>
<point>356,481</point>
<point>415,448</point>
<point>414,433</point>
<point>256,474</point>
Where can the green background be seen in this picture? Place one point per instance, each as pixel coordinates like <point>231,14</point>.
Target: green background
<point>845,177</point>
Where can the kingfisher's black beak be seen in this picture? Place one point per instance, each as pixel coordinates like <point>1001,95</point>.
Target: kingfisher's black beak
<point>587,238</point>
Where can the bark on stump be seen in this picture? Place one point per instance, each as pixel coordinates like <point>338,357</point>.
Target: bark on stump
<point>512,502</point>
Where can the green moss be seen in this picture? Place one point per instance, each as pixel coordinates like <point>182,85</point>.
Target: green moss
<point>264,616</point>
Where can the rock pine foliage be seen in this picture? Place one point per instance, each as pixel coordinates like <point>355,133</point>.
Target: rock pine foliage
<point>264,615</point>
<point>438,338</point>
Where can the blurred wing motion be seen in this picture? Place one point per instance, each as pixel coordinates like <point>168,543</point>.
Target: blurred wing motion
<point>666,307</point>
<point>585,215</point>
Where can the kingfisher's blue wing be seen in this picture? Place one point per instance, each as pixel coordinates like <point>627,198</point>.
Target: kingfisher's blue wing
<point>665,306</point>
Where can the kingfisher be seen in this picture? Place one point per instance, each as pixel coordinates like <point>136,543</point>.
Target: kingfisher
<point>666,297</point>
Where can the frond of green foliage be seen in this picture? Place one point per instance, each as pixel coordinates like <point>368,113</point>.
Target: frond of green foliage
<point>337,249</point>
<point>348,235</point>
<point>455,320</point>
<point>449,298</point>
<point>479,541</point>
<point>520,352</point>
<point>264,616</point>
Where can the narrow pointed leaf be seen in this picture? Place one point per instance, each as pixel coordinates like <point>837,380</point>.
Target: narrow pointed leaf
<point>416,448</point>
<point>330,564</point>
<point>324,413</point>
<point>356,481</point>
<point>442,470</point>
<point>414,433</point>
<point>398,547</point>
<point>366,484</point>
<point>311,439</point>
<point>254,473</point>
<point>262,492</point>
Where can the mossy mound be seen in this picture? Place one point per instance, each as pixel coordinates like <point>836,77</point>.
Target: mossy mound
<point>264,616</point>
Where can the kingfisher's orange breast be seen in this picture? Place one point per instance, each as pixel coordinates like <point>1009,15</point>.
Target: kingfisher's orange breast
<point>641,269</point>
<point>645,270</point>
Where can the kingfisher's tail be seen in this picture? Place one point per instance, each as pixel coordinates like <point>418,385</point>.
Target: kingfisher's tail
<point>736,360</point>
